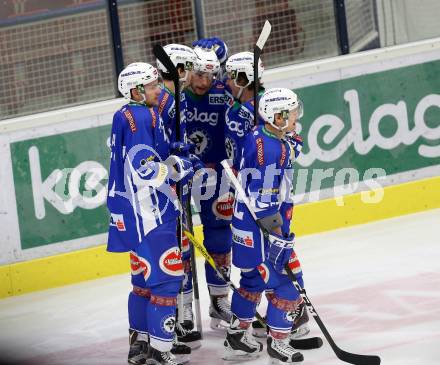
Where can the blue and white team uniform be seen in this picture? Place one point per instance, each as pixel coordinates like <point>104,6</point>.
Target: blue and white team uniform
<point>266,171</point>
<point>167,111</point>
<point>143,214</point>
<point>239,122</point>
<point>205,125</point>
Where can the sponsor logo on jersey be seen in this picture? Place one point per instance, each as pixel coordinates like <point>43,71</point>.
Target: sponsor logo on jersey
<point>289,213</point>
<point>223,206</point>
<point>168,324</point>
<point>171,262</point>
<point>244,238</point>
<point>245,114</point>
<point>163,102</point>
<point>294,263</point>
<point>264,272</point>
<point>117,220</point>
<point>139,265</point>
<point>215,99</point>
<point>260,151</point>
<point>185,243</point>
<point>235,127</point>
<point>130,120</point>
<point>283,154</point>
<point>203,117</point>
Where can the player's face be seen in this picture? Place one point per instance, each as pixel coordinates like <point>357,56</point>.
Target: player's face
<point>232,84</point>
<point>293,117</point>
<point>201,82</point>
<point>152,92</point>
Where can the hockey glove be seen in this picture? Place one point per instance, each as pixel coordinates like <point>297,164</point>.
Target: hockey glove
<point>182,149</point>
<point>197,164</point>
<point>217,44</point>
<point>280,250</point>
<point>181,168</point>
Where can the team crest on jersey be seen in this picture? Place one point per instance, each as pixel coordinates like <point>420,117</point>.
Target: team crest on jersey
<point>223,206</point>
<point>171,262</point>
<point>216,99</point>
<point>168,324</point>
<point>117,220</point>
<point>139,265</point>
<point>289,316</point>
<point>230,148</point>
<point>201,140</point>
<point>264,272</point>
<point>243,238</point>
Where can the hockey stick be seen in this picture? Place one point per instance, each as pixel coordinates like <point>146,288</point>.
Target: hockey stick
<point>258,49</point>
<point>189,223</point>
<point>341,354</point>
<point>162,56</point>
<point>299,344</point>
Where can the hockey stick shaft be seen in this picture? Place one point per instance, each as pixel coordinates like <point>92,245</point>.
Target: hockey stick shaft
<point>163,57</point>
<point>258,49</point>
<point>202,249</point>
<point>189,223</point>
<point>341,354</point>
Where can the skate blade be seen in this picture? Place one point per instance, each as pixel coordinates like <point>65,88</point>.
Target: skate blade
<point>218,325</point>
<point>301,331</point>
<point>232,355</point>
<point>259,332</point>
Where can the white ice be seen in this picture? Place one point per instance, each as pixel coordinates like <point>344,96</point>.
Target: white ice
<point>376,287</point>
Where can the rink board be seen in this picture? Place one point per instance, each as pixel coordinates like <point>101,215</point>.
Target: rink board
<point>93,263</point>
<point>365,113</point>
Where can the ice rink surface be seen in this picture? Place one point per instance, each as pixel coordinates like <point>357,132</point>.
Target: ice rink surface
<point>376,287</point>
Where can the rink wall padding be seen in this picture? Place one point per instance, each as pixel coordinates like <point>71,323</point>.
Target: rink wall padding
<point>320,216</point>
<point>371,119</point>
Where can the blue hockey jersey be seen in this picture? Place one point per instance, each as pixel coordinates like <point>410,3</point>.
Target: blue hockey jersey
<point>239,122</point>
<point>267,181</point>
<point>205,121</point>
<point>167,111</point>
<point>139,194</point>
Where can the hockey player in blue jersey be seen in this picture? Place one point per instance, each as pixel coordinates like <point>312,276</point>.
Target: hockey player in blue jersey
<point>207,100</point>
<point>240,116</point>
<point>144,211</point>
<point>183,58</point>
<point>266,156</point>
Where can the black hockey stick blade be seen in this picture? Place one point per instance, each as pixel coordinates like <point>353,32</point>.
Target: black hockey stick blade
<point>162,56</point>
<point>345,356</point>
<point>309,343</point>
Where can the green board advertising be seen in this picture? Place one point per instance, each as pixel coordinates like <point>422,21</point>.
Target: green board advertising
<point>388,120</point>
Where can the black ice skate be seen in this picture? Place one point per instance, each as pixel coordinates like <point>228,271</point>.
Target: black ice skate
<point>156,357</point>
<point>300,327</point>
<point>239,343</point>
<point>138,349</point>
<point>258,330</point>
<point>220,312</point>
<point>280,352</point>
<point>185,331</point>
<point>179,348</point>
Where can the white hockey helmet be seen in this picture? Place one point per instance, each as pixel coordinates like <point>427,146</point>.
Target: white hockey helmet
<point>243,62</point>
<point>179,54</point>
<point>279,101</point>
<point>206,61</point>
<point>134,75</point>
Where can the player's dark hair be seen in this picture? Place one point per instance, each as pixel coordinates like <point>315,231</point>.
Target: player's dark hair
<point>167,75</point>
